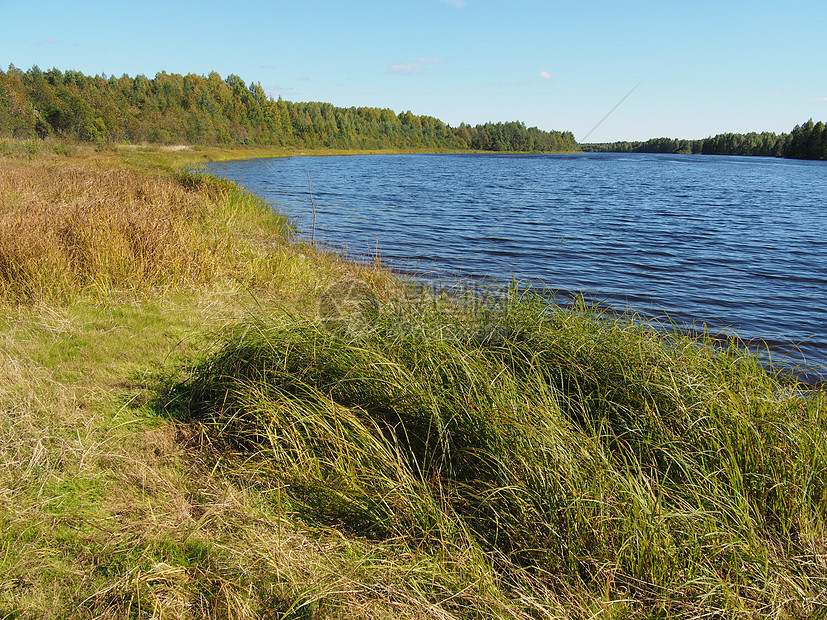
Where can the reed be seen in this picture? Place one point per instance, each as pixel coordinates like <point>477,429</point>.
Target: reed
<point>577,456</point>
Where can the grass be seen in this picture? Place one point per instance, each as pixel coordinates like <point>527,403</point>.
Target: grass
<point>103,230</point>
<point>576,457</point>
<point>201,419</point>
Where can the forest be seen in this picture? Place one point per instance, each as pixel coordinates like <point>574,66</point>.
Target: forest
<point>198,110</point>
<point>807,141</point>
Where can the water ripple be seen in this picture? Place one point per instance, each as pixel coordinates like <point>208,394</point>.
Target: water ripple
<point>739,244</point>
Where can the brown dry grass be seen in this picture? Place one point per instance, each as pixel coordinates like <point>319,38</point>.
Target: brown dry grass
<point>67,228</point>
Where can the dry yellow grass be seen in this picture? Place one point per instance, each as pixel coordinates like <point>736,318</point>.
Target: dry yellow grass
<point>101,225</point>
<point>65,228</point>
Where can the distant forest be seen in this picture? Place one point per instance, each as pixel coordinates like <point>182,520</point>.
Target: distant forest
<point>807,141</point>
<point>198,110</point>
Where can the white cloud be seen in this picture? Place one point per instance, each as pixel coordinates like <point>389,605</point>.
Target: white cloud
<point>413,68</point>
<point>821,99</point>
<point>280,91</point>
<point>457,3</point>
<point>48,41</point>
<point>546,75</point>
<point>781,91</point>
<point>407,68</point>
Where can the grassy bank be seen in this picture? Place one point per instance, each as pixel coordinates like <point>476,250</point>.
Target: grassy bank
<point>572,461</point>
<point>201,419</point>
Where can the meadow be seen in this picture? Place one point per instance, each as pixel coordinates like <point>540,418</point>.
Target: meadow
<point>205,419</point>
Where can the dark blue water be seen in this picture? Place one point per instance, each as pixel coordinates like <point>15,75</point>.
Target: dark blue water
<point>736,243</point>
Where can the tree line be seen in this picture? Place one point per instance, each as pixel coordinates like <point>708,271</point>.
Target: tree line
<point>807,141</point>
<point>211,110</point>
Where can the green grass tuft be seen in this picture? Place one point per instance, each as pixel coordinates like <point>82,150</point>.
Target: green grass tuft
<point>566,450</point>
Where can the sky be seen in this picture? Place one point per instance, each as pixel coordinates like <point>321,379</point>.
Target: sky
<point>604,70</point>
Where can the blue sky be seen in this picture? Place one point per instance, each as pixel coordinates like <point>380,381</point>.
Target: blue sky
<point>700,67</point>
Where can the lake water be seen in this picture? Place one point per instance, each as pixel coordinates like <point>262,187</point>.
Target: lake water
<point>736,243</point>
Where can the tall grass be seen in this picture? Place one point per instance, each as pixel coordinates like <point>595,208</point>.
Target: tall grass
<point>69,227</point>
<point>567,455</point>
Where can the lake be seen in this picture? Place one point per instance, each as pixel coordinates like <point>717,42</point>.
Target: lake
<point>736,243</point>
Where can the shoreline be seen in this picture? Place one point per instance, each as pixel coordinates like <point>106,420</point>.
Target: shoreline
<point>786,353</point>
